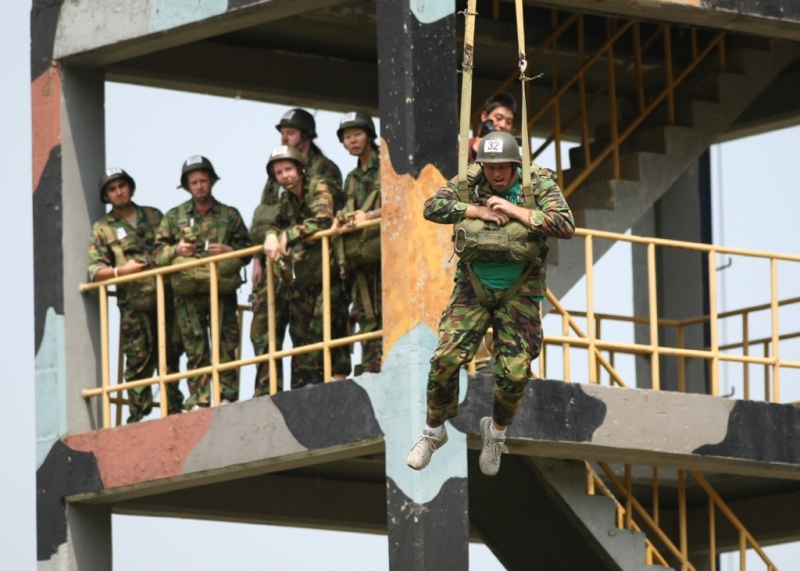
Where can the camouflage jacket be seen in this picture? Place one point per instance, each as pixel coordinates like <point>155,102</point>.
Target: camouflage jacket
<point>316,164</point>
<point>136,242</point>
<point>360,184</point>
<point>205,227</point>
<point>551,218</point>
<point>301,217</point>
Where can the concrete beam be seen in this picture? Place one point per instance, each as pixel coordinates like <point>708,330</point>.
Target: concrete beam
<point>777,19</point>
<point>263,75</point>
<point>92,34</point>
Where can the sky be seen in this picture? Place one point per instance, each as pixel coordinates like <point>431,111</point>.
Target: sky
<point>149,133</point>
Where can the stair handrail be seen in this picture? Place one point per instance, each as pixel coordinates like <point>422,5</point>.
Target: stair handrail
<point>670,89</point>
<point>651,548</point>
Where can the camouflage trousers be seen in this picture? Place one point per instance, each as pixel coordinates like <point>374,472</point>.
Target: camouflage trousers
<point>193,313</point>
<point>306,328</point>
<point>517,342</point>
<point>259,333</point>
<point>139,339</point>
<point>371,351</point>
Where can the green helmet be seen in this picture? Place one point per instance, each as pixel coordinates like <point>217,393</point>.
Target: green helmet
<point>114,173</point>
<point>286,153</point>
<point>197,163</point>
<point>498,147</point>
<point>356,119</point>
<point>299,119</point>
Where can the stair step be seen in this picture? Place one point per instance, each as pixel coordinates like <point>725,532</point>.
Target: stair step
<point>629,170</point>
<point>650,140</point>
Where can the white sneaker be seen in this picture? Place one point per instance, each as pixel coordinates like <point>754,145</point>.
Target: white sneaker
<point>420,455</point>
<point>491,450</point>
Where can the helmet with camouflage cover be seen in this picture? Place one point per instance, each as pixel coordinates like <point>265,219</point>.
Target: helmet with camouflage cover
<point>286,153</point>
<point>498,147</point>
<point>113,173</point>
<point>197,163</point>
<point>299,119</point>
<point>356,119</point>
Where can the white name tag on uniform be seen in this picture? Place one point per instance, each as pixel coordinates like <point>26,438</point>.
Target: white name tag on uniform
<point>493,147</point>
<point>121,233</point>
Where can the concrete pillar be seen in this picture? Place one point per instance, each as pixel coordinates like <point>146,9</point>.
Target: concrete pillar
<point>428,510</point>
<point>68,157</point>
<point>682,213</point>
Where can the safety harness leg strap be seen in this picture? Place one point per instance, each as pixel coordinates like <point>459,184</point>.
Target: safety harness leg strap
<point>366,301</point>
<point>507,295</point>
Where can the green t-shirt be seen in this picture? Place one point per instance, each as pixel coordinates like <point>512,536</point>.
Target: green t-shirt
<point>500,275</point>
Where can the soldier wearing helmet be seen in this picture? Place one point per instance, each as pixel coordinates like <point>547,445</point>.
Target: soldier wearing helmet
<point>305,207</point>
<point>198,228</point>
<point>122,243</point>
<point>298,129</point>
<point>492,291</point>
<point>363,202</point>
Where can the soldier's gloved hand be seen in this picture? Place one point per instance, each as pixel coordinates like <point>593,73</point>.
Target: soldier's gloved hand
<point>511,211</point>
<point>271,246</point>
<point>258,271</point>
<point>486,213</point>
<point>284,245</point>
<point>131,267</point>
<point>219,249</point>
<point>185,249</point>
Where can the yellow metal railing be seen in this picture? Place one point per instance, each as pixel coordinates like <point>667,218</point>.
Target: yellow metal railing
<point>621,35</point>
<point>628,507</point>
<point>572,336</point>
<point>216,367</point>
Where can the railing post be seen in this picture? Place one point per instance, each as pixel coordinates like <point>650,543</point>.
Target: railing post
<point>273,373</point>
<point>681,361</point>
<point>612,102</point>
<point>587,152</point>
<point>655,495</point>
<point>682,523</point>
<point>565,346</point>
<point>120,379</point>
<point>767,391</point>
<point>746,352</point>
<point>713,322</point>
<point>628,497</point>
<point>712,536</point>
<point>776,342</point>
<point>655,365</point>
<point>556,106</point>
<point>637,51</point>
<point>326,307</point>
<point>742,551</point>
<point>161,327</point>
<point>669,72</point>
<point>590,328</point>
<point>104,359</point>
<point>215,333</point>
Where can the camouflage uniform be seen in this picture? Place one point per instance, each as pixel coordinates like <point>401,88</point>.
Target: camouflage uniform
<point>193,310</point>
<point>139,328</point>
<point>316,165</point>
<point>517,324</point>
<point>300,218</point>
<point>359,185</point>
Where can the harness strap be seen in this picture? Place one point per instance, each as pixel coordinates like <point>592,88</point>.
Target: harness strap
<point>224,219</point>
<point>477,286</point>
<point>366,301</point>
<point>113,243</point>
<point>194,317</point>
<point>466,100</point>
<point>527,187</point>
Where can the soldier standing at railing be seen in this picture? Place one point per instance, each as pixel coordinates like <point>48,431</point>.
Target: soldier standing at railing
<point>358,253</point>
<point>495,287</point>
<point>122,243</point>
<point>305,208</point>
<point>298,129</point>
<point>198,228</point>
